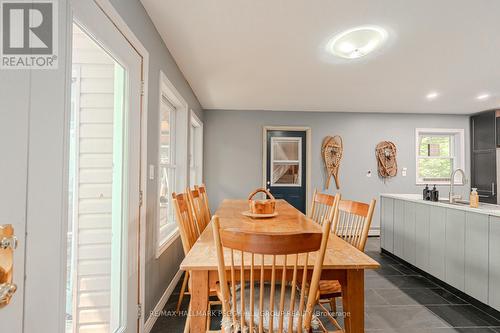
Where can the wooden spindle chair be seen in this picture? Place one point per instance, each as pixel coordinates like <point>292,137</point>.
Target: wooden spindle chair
<point>204,198</point>
<point>245,255</point>
<point>188,232</point>
<point>189,235</point>
<point>323,207</point>
<point>352,224</point>
<point>198,208</point>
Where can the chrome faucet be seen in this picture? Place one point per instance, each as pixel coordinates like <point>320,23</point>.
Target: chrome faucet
<point>453,197</point>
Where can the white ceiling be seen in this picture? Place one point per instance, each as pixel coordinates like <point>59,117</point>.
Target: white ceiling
<point>270,55</point>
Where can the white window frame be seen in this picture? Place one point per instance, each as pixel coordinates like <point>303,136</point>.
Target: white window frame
<point>458,157</point>
<point>196,157</point>
<point>179,152</point>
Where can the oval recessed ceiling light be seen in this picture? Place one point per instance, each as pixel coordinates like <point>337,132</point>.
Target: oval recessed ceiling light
<point>483,96</point>
<point>431,95</point>
<point>357,42</point>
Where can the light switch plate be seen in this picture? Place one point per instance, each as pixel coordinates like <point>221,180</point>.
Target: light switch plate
<point>403,172</point>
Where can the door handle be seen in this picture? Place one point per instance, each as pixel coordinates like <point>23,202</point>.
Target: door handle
<point>8,242</point>
<point>493,189</point>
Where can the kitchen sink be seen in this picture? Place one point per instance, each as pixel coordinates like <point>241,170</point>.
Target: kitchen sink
<point>465,203</point>
<point>456,202</point>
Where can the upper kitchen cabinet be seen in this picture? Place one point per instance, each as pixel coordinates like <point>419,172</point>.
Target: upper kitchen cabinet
<point>483,155</point>
<point>497,118</point>
<point>483,129</point>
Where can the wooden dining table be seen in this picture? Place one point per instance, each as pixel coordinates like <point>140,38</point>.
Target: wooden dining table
<point>342,262</point>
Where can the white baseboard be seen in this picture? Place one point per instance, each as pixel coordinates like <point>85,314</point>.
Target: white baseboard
<point>374,232</point>
<point>148,326</point>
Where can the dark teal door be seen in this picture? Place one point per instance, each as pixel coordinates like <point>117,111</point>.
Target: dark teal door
<point>286,166</point>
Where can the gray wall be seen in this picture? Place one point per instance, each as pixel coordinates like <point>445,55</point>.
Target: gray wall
<point>233,150</point>
<point>159,272</point>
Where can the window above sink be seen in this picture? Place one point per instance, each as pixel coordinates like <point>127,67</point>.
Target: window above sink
<point>439,151</point>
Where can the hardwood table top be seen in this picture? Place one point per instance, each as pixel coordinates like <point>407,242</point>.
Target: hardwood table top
<point>339,254</point>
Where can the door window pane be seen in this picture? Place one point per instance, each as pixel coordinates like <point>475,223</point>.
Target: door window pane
<point>97,163</point>
<point>285,150</point>
<point>286,163</point>
<point>286,174</point>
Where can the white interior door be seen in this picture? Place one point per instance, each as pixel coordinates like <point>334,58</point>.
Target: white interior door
<point>104,177</point>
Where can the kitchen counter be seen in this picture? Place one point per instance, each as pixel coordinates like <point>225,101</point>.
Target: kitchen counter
<point>484,208</point>
<point>455,243</point>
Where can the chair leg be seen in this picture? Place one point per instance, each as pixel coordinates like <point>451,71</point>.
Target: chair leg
<point>183,291</point>
<point>333,306</point>
<point>330,317</point>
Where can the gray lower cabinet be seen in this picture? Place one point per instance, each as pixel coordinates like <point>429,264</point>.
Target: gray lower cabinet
<point>494,263</point>
<point>409,246</point>
<point>476,256</point>
<point>422,225</point>
<point>455,248</point>
<point>399,217</point>
<point>387,224</point>
<point>461,248</point>
<point>437,246</point>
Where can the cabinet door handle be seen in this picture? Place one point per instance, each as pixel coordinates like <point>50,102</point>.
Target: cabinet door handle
<point>493,189</point>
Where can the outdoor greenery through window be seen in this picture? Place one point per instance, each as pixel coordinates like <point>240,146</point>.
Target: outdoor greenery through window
<point>166,170</point>
<point>439,152</point>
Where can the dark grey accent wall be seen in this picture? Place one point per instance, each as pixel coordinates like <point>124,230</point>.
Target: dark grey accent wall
<point>159,272</point>
<point>233,150</point>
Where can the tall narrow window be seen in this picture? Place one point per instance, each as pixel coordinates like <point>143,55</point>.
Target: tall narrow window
<point>438,153</point>
<point>166,170</point>
<point>196,152</point>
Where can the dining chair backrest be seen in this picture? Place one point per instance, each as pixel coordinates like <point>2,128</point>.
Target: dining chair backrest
<point>323,207</point>
<point>185,221</point>
<point>198,209</point>
<point>204,198</point>
<point>287,255</point>
<point>352,223</point>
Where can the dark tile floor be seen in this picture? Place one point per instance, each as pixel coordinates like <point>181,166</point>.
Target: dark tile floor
<point>397,299</point>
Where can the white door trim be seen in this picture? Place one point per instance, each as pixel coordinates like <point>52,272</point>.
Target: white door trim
<point>122,26</point>
<point>308,131</point>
